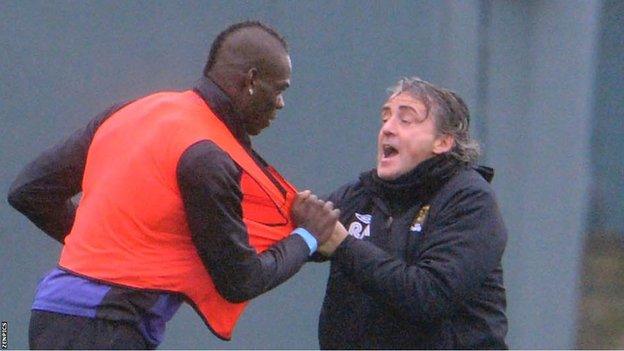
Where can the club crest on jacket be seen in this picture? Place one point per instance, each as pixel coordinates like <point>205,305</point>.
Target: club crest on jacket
<point>419,219</point>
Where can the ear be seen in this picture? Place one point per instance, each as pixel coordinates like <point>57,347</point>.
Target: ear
<point>443,143</point>
<point>251,77</point>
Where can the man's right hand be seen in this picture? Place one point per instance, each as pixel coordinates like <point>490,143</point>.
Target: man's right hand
<point>315,215</point>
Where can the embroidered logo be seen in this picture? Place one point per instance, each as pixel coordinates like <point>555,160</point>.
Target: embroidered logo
<point>419,219</point>
<point>360,230</point>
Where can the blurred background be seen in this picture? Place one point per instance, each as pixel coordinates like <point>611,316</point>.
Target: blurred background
<point>544,81</point>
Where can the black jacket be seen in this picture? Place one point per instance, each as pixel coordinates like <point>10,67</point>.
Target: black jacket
<point>416,277</point>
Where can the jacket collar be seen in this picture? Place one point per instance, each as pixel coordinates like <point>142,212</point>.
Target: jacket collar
<point>416,186</point>
<point>221,104</point>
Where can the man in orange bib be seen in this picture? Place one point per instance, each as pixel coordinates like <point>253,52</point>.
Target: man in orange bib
<point>176,206</point>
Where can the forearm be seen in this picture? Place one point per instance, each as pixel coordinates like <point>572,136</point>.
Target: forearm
<point>44,188</point>
<point>240,280</point>
<point>209,184</point>
<point>54,218</point>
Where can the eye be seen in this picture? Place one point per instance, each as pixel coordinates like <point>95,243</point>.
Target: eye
<point>406,118</point>
<point>281,88</point>
<point>385,116</point>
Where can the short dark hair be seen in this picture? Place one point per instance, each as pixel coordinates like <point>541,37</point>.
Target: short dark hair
<point>218,42</point>
<point>451,114</point>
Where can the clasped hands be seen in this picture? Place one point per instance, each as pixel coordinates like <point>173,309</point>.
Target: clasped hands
<point>320,218</point>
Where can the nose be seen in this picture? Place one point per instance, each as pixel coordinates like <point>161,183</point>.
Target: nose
<point>388,127</point>
<point>279,104</point>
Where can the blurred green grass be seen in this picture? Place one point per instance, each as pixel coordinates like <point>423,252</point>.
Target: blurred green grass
<point>601,317</point>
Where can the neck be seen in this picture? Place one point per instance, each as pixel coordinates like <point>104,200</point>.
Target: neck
<point>227,81</point>
<point>418,184</point>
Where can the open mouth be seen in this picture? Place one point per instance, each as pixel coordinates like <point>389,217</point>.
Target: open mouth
<point>389,151</point>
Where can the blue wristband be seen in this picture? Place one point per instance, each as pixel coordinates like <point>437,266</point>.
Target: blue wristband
<point>307,237</point>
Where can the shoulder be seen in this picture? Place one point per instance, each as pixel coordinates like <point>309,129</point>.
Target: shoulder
<point>467,180</point>
<point>466,204</point>
<point>467,190</point>
<point>205,160</point>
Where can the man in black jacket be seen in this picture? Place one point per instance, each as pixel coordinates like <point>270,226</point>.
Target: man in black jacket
<point>417,264</point>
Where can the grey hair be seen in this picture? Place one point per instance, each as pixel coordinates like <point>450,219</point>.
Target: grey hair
<point>450,113</point>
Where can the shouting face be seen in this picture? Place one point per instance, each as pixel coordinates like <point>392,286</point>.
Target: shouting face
<point>408,136</point>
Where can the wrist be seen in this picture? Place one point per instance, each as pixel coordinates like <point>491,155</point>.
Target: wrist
<point>331,245</point>
<point>309,239</point>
